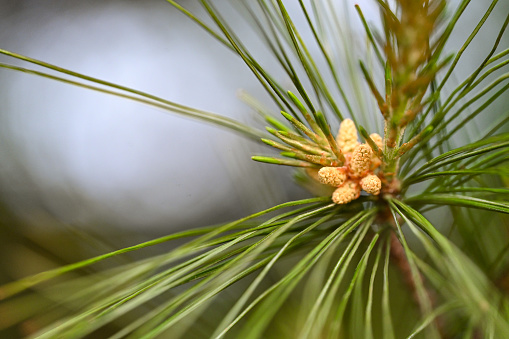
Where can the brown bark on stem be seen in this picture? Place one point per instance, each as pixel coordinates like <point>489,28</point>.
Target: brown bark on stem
<point>400,260</point>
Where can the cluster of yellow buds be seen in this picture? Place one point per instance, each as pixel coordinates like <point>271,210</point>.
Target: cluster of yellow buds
<point>358,171</point>
<point>341,162</point>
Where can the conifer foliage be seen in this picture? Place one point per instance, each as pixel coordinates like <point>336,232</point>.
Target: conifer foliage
<point>364,258</point>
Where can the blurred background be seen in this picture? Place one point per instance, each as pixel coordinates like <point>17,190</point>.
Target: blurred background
<point>83,173</point>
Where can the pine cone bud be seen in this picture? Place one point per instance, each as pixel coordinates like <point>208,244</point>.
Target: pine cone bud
<point>347,136</point>
<point>375,161</point>
<point>346,193</point>
<point>361,160</point>
<point>377,139</point>
<point>371,184</point>
<point>333,176</point>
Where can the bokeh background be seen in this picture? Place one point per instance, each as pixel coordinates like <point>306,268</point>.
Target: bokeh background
<point>83,173</point>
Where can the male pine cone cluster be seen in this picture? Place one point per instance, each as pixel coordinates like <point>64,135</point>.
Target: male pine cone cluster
<point>358,171</point>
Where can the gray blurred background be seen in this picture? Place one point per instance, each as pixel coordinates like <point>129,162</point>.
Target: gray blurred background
<point>87,157</point>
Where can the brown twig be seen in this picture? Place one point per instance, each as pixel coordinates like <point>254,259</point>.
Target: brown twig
<point>400,260</point>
